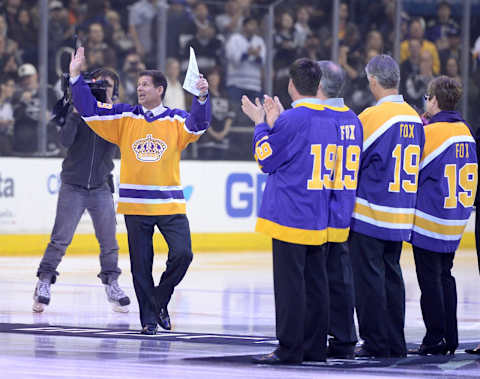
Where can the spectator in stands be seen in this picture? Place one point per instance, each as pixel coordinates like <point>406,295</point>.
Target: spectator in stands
<point>410,68</point>
<point>132,66</point>
<point>285,55</point>
<point>10,46</point>
<point>141,22</point>
<point>200,16</point>
<point>7,87</point>
<point>302,27</point>
<point>452,70</point>
<point>416,85</point>
<point>313,49</point>
<point>60,33</point>
<point>26,112</point>
<point>209,49</point>
<point>96,43</point>
<point>177,14</point>
<point>245,54</point>
<point>343,22</point>
<point>121,41</point>
<point>453,47</point>
<point>417,31</point>
<point>174,95</point>
<point>375,42</point>
<point>230,21</point>
<point>8,62</point>
<point>215,144</point>
<point>29,45</point>
<point>442,24</point>
<point>10,10</point>
<point>357,93</point>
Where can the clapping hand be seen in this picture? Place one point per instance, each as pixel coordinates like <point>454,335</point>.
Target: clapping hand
<point>272,108</point>
<point>255,112</point>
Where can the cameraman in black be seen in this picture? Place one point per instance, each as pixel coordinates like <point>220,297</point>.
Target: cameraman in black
<point>87,184</point>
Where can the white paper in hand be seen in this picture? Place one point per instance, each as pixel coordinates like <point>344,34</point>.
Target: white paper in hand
<point>192,76</point>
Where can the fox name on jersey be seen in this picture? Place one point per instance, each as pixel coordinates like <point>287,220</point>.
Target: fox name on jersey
<point>150,143</point>
<point>349,148</point>
<point>447,183</point>
<point>388,177</point>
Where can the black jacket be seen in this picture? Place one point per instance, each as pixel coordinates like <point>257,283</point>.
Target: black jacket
<point>89,160</point>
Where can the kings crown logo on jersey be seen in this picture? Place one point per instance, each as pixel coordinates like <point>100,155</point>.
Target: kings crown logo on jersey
<point>149,149</point>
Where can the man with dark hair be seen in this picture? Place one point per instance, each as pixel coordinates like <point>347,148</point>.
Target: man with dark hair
<point>151,138</point>
<point>87,184</point>
<point>297,148</point>
<point>343,338</point>
<point>384,209</point>
<point>447,184</point>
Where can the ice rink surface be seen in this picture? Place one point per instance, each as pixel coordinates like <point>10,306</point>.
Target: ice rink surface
<point>222,314</point>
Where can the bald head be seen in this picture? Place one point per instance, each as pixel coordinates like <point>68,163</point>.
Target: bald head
<point>333,78</point>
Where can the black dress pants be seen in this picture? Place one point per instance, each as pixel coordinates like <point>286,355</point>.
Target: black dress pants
<point>477,233</point>
<point>301,301</point>
<point>176,231</point>
<point>342,298</point>
<point>438,299</point>
<point>379,294</point>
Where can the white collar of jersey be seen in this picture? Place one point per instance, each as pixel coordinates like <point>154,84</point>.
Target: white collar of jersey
<point>159,109</point>
<point>308,100</point>
<point>333,102</point>
<point>391,99</point>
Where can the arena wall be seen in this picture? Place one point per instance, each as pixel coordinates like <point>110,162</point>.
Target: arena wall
<point>223,199</point>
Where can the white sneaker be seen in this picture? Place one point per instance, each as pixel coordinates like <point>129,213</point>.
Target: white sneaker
<point>117,297</point>
<point>38,307</point>
<point>119,308</point>
<point>41,296</point>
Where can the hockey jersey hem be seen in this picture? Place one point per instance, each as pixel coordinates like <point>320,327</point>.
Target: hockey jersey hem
<point>289,234</point>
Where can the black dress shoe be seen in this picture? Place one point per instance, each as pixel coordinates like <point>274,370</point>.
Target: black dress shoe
<point>164,319</point>
<point>362,352</point>
<point>439,348</point>
<point>149,330</point>
<point>473,351</point>
<point>272,359</point>
<point>341,353</point>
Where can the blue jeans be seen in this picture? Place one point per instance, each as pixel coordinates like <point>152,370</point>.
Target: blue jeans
<point>72,202</point>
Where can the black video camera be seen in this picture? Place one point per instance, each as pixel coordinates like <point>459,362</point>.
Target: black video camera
<point>97,87</point>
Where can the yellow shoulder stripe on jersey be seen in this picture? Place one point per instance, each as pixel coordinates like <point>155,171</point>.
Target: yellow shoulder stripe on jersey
<point>383,116</point>
<point>317,107</point>
<point>440,135</point>
<point>292,235</point>
<point>338,109</point>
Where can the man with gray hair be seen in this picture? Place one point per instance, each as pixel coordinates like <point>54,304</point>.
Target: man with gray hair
<point>343,336</point>
<point>384,210</point>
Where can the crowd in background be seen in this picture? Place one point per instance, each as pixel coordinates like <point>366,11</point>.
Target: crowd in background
<point>229,41</point>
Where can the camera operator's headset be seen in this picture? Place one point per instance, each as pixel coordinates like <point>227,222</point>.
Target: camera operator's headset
<point>99,72</point>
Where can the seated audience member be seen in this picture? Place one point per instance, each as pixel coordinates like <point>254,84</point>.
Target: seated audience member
<point>231,20</point>
<point>26,112</point>
<point>7,87</point>
<point>442,24</point>
<point>214,144</point>
<point>416,31</point>
<point>208,49</point>
<point>175,94</point>
<point>416,85</point>
<point>302,27</point>
<point>132,66</point>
